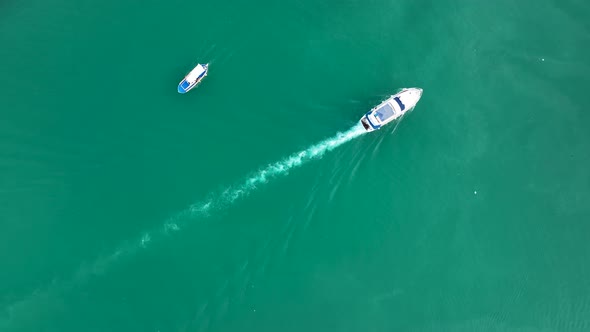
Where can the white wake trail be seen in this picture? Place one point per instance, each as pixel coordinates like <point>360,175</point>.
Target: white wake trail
<point>176,223</point>
<point>232,194</point>
<point>225,199</point>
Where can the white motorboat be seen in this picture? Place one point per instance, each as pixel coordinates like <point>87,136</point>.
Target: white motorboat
<point>193,78</point>
<point>392,108</point>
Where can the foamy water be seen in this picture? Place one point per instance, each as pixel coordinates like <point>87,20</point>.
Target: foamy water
<point>232,194</point>
<point>263,176</point>
<point>196,211</point>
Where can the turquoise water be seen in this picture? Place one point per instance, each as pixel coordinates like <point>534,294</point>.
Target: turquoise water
<point>252,203</point>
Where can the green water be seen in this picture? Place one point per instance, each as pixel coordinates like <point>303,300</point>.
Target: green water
<point>125,206</point>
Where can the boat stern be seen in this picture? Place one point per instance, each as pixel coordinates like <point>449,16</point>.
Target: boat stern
<point>367,124</point>
<point>183,87</point>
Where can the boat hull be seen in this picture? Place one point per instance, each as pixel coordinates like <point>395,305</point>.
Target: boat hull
<point>391,109</point>
<point>193,78</point>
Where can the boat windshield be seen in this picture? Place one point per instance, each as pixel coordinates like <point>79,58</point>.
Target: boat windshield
<point>384,112</point>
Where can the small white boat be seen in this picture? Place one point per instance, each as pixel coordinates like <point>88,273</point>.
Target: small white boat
<point>193,78</point>
<point>391,109</point>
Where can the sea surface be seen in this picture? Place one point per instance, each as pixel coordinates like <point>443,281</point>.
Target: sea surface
<point>255,203</point>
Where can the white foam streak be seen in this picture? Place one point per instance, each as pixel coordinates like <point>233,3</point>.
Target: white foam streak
<point>232,194</point>
<point>295,160</point>
<point>177,222</point>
